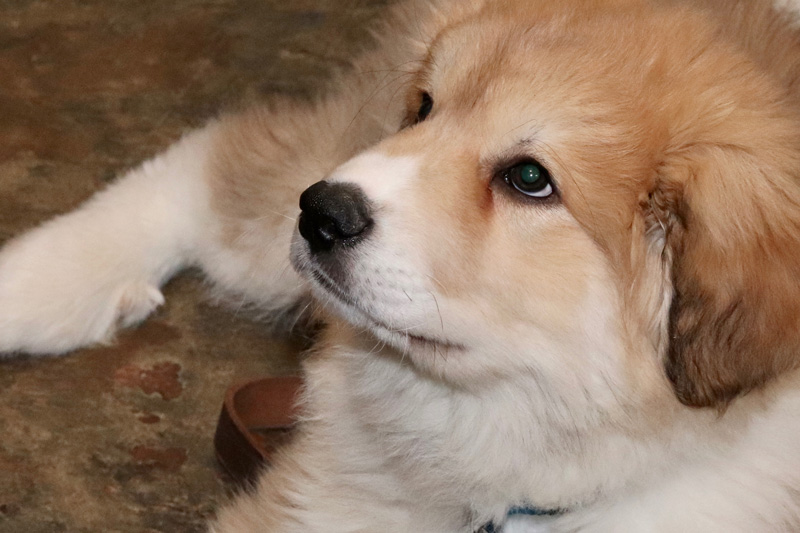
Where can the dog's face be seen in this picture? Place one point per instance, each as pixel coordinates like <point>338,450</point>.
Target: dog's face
<point>604,201</point>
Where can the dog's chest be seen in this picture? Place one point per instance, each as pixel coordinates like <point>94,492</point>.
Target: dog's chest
<point>452,445</point>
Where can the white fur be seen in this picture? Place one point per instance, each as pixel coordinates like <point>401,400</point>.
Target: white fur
<point>790,6</point>
<point>74,280</point>
<point>527,524</point>
<point>383,178</point>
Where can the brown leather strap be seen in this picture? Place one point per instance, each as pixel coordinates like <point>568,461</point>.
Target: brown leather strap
<point>256,418</point>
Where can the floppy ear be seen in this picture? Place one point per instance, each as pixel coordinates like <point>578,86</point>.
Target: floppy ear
<point>732,230</point>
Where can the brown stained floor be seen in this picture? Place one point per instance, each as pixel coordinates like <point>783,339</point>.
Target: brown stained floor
<point>119,438</point>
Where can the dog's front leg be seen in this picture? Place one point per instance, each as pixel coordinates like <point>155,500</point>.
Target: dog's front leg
<point>223,198</point>
<point>73,280</point>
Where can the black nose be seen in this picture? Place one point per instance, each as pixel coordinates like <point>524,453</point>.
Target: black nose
<point>333,213</point>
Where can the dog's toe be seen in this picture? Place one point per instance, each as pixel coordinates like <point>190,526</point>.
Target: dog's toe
<point>137,301</point>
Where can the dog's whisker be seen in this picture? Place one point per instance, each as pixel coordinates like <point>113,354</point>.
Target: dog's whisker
<point>432,278</point>
<point>287,217</point>
<point>299,315</point>
<point>438,310</point>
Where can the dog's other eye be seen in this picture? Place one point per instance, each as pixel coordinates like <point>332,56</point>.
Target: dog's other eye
<point>425,107</point>
<point>530,178</point>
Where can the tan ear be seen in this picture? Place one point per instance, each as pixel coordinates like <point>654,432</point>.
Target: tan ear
<point>733,238</point>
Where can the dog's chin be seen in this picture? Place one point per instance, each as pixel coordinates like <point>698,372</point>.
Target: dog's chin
<point>349,309</point>
<point>327,291</point>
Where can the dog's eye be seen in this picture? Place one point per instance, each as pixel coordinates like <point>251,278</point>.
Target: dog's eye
<point>530,178</point>
<point>425,107</point>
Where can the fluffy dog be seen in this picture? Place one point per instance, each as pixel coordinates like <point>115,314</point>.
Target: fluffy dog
<point>560,244</point>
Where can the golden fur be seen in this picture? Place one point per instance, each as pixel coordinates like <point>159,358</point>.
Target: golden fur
<point>625,350</point>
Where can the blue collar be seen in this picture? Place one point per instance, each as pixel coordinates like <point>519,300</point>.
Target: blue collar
<point>519,511</point>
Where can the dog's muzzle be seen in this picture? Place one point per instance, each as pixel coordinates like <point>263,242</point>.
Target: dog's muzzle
<point>333,215</point>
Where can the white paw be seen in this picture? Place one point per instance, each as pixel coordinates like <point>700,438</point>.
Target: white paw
<point>60,290</point>
<point>136,302</point>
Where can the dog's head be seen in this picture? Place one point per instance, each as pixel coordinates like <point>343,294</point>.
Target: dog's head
<point>605,199</point>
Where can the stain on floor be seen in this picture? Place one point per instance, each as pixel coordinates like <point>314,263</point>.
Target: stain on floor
<point>118,438</point>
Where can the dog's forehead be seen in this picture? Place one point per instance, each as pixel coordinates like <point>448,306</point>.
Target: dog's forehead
<point>471,59</point>
<point>608,46</point>
<point>532,69</point>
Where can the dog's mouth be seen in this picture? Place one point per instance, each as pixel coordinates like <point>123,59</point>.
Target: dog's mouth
<point>397,337</point>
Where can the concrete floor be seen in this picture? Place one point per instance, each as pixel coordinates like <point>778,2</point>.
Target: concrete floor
<point>119,438</point>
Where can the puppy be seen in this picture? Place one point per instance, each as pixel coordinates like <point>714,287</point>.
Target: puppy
<point>557,246</point>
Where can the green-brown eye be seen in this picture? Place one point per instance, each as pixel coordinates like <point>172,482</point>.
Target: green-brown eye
<point>530,178</point>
